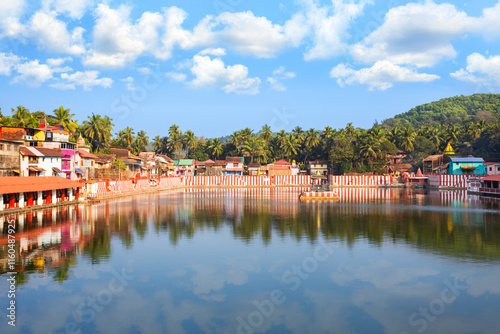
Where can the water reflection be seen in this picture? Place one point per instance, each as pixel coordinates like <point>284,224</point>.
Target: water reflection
<point>208,260</point>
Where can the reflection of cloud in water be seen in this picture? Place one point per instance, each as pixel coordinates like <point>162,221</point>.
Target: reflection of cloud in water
<point>382,274</point>
<point>210,278</point>
<point>481,282</point>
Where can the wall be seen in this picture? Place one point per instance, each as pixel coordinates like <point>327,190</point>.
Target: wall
<point>9,159</point>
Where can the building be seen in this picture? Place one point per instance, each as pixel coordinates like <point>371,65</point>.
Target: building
<point>215,169</point>
<point>280,167</point>
<point>294,168</point>
<point>399,169</point>
<point>201,167</point>
<point>492,168</point>
<point>9,157</point>
<point>432,164</point>
<point>19,192</point>
<point>234,166</point>
<point>490,185</point>
<point>58,138</point>
<point>85,165</point>
<point>317,167</point>
<point>184,167</point>
<point>29,136</point>
<point>40,161</point>
<point>254,169</point>
<point>466,166</point>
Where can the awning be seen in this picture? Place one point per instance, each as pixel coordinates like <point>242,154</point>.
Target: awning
<point>468,167</point>
<point>36,169</point>
<point>15,171</point>
<point>133,163</point>
<point>57,170</point>
<point>78,170</point>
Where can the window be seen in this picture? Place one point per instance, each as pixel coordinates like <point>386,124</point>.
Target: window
<point>1,147</point>
<point>7,147</point>
<point>43,159</point>
<point>491,169</point>
<point>235,165</point>
<point>498,169</point>
<point>92,164</point>
<point>81,163</point>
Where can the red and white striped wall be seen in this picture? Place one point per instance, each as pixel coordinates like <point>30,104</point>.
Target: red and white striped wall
<point>360,180</point>
<point>458,181</point>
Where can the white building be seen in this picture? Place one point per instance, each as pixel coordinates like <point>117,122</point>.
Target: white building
<point>38,161</point>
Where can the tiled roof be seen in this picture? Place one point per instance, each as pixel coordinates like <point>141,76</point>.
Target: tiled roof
<point>234,160</point>
<point>39,152</point>
<point>220,162</point>
<point>282,162</point>
<point>318,162</point>
<point>234,169</point>
<point>104,158</point>
<point>274,167</point>
<point>253,165</point>
<point>17,184</point>
<point>486,178</point>
<point>85,154</point>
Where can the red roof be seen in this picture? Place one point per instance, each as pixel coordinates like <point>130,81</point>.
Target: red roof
<point>234,160</point>
<point>40,152</point>
<point>274,167</point>
<point>85,154</point>
<point>419,173</point>
<point>17,184</point>
<point>282,162</point>
<point>486,178</point>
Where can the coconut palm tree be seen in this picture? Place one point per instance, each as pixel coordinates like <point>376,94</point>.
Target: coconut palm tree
<point>20,114</point>
<point>266,133</point>
<point>215,147</point>
<point>407,136</point>
<point>142,140</point>
<point>157,144</point>
<point>290,146</point>
<point>311,139</point>
<point>127,136</point>
<point>175,142</point>
<point>299,134</point>
<point>64,118</point>
<point>253,147</point>
<point>190,140</point>
<point>97,130</point>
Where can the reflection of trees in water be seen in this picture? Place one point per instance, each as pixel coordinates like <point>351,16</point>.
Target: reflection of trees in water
<point>450,231</point>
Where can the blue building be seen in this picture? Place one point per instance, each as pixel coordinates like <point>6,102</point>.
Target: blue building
<point>466,166</point>
<point>234,166</point>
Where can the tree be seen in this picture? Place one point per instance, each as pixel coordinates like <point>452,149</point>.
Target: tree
<point>127,136</point>
<point>290,146</point>
<point>215,147</point>
<point>407,138</point>
<point>64,118</point>
<point>266,133</point>
<point>189,140</point>
<point>254,146</point>
<point>20,114</point>
<point>157,145</point>
<point>141,141</point>
<point>97,130</point>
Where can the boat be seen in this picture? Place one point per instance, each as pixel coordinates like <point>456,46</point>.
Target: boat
<point>320,190</point>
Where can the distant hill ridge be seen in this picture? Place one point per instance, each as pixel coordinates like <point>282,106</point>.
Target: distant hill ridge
<point>453,110</point>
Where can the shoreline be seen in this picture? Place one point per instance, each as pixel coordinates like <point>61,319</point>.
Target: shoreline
<point>91,201</point>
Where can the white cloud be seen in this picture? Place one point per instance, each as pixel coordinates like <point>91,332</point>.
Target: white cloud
<point>87,80</point>
<point>73,8</point>
<point>58,61</point>
<point>213,72</point>
<point>329,26</point>
<point>380,76</point>
<point>213,52</point>
<point>10,12</point>
<point>278,75</point>
<point>418,34</point>
<point>480,71</point>
<point>32,74</point>
<point>180,77</point>
<point>489,24</point>
<point>52,34</point>
<point>129,83</point>
<point>7,63</point>
<point>118,41</point>
<point>144,70</point>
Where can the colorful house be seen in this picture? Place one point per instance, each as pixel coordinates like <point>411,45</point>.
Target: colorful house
<point>317,167</point>
<point>492,168</point>
<point>466,166</point>
<point>234,166</point>
<point>39,161</point>
<point>253,169</point>
<point>280,167</point>
<point>184,167</point>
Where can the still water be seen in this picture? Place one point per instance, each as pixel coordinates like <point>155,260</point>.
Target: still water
<point>258,261</point>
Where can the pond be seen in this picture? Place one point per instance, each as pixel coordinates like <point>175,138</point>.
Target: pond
<point>258,261</point>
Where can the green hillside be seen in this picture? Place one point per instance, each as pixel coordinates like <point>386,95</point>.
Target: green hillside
<point>452,110</point>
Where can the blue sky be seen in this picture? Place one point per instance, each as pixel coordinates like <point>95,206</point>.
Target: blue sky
<point>217,66</point>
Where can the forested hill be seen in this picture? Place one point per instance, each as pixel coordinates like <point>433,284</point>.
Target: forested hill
<point>452,110</point>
